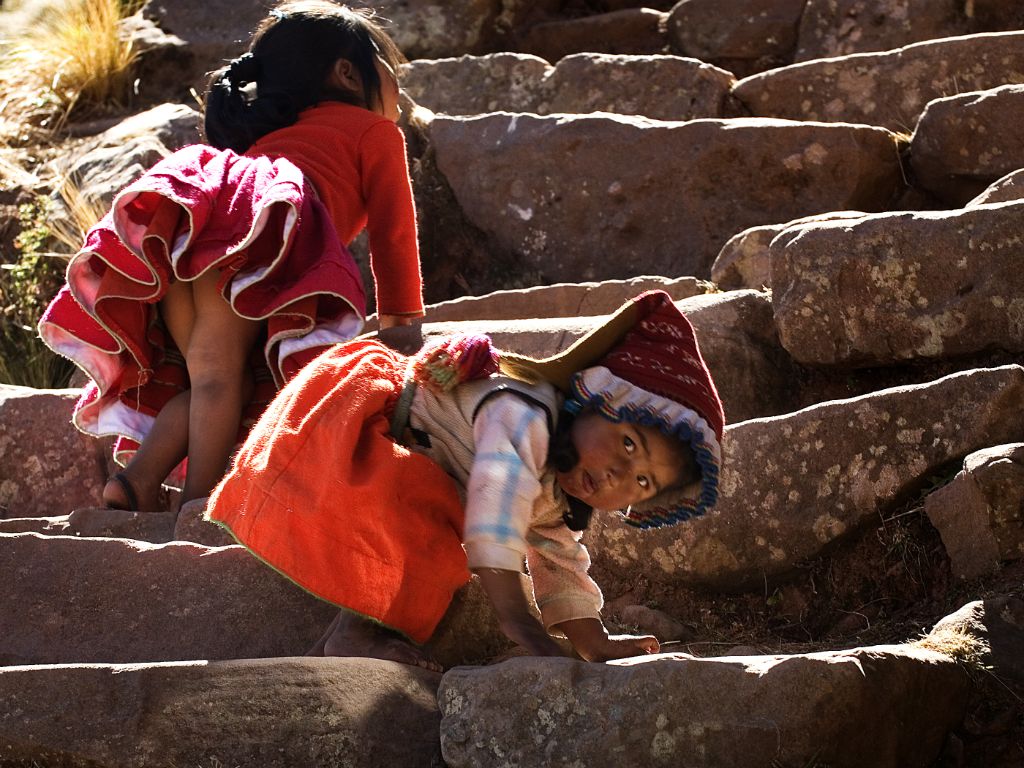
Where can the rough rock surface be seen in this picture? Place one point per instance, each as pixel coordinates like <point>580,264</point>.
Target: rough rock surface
<point>275,713</point>
<point>560,300</point>
<point>744,260</point>
<point>36,479</point>
<point>473,85</point>
<point>980,513</point>
<point>154,527</point>
<point>738,342</point>
<point>1006,189</point>
<point>628,30</point>
<point>831,28</point>
<point>844,708</point>
<point>999,624</point>
<point>741,36</point>
<point>130,602</point>
<point>888,89</point>
<point>121,154</point>
<point>499,170</point>
<point>127,602</point>
<point>900,286</point>
<point>659,87</point>
<point>784,498</point>
<point>964,143</point>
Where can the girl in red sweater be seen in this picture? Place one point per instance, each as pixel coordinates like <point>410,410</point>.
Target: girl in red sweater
<point>224,268</point>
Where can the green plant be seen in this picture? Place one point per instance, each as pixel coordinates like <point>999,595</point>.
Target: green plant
<point>27,283</point>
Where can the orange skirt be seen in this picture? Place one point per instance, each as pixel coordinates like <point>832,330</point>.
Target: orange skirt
<point>322,493</point>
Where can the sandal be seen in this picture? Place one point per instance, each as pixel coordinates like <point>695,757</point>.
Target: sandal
<point>129,493</point>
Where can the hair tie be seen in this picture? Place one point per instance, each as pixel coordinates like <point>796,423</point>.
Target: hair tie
<point>243,70</point>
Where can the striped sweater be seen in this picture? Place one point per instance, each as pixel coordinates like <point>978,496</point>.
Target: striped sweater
<point>495,445</point>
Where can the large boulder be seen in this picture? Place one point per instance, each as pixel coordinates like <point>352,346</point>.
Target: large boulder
<point>122,153</point>
<point>753,374</point>
<point>888,89</point>
<point>964,143</point>
<point>626,30</point>
<point>980,513</point>
<point>661,87</point>
<point>473,85</point>
<point>106,600</point>
<point>559,300</point>
<point>830,28</point>
<point>846,709</point>
<point>1008,188</point>
<point>274,713</point>
<point>901,286</point>
<point>794,484</point>
<point>741,36</point>
<point>211,35</point>
<point>48,466</point>
<point>744,260</point>
<point>997,624</point>
<point>664,206</point>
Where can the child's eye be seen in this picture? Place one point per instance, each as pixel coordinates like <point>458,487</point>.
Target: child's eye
<point>643,482</point>
<point>629,444</point>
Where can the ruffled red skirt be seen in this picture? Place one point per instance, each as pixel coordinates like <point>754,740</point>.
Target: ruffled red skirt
<point>322,493</point>
<point>255,219</point>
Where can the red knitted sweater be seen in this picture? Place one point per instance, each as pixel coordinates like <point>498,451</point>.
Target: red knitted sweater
<point>356,160</point>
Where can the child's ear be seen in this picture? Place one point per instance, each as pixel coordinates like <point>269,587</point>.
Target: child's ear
<point>344,75</point>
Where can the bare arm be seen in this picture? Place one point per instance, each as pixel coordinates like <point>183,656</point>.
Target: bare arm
<point>505,590</point>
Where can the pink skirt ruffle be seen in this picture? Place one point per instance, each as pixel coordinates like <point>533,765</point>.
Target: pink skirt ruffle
<point>255,219</point>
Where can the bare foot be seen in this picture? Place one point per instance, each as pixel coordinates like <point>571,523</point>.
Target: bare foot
<point>125,492</point>
<point>351,635</point>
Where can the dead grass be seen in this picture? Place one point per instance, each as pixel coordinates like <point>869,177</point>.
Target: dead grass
<point>956,643</point>
<point>72,59</point>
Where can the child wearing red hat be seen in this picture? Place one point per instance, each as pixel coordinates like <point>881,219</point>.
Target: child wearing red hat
<point>379,482</point>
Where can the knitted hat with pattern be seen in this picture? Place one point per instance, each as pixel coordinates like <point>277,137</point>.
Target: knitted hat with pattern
<point>644,366</point>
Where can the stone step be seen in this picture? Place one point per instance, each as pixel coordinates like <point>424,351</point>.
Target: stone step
<point>273,713</point>
<point>856,707</point>
<point>795,484</point>
<point>109,600</point>
<point>665,205</point>
<point>660,87</point>
<point>896,287</point>
<point>845,709</point>
<point>888,89</point>
<point>48,466</point>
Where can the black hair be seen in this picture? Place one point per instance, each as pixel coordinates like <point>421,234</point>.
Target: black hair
<point>562,457</point>
<point>287,69</point>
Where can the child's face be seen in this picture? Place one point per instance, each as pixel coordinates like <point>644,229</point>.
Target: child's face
<point>620,464</point>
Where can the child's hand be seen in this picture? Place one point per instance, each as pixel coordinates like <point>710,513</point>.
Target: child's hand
<point>593,643</point>
<point>505,589</point>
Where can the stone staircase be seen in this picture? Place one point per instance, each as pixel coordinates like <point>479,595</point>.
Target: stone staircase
<point>848,174</point>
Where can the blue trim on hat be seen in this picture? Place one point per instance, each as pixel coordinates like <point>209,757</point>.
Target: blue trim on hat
<point>658,517</point>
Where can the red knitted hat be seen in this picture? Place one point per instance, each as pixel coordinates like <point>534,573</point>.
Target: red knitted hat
<point>643,365</point>
<point>661,355</point>
<point>655,375</point>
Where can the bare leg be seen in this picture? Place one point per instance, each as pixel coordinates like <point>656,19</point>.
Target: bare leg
<point>217,356</point>
<point>166,443</point>
<point>160,452</point>
<point>352,635</point>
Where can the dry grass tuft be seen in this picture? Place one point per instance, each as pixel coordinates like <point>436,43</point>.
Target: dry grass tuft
<point>73,59</point>
<point>957,643</point>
